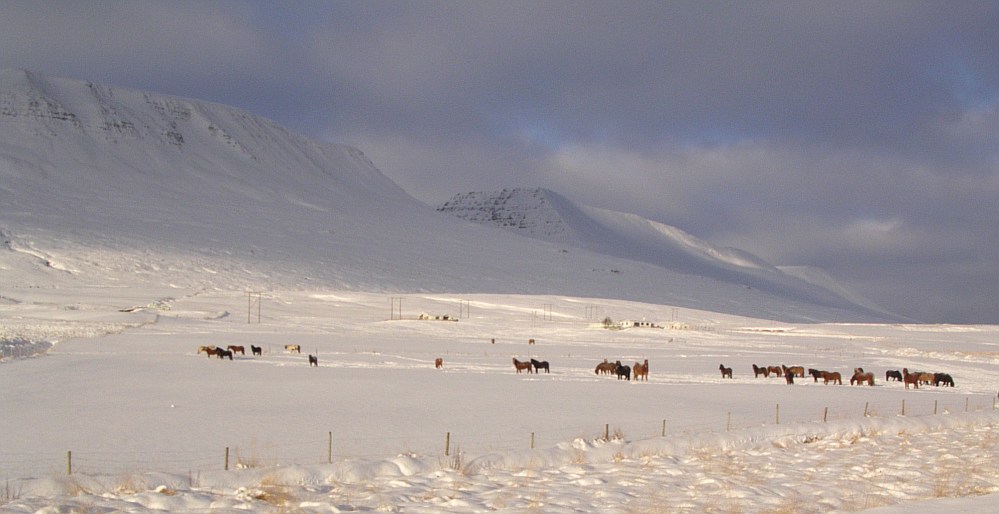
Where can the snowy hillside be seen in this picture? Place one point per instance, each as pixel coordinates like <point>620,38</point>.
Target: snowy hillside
<point>547,216</point>
<point>97,180</point>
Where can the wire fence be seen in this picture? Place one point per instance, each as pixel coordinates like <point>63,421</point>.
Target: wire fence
<point>330,447</point>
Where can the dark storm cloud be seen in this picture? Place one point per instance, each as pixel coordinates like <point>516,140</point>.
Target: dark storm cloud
<point>858,136</point>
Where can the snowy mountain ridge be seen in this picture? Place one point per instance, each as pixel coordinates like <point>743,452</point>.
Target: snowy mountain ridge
<point>97,180</point>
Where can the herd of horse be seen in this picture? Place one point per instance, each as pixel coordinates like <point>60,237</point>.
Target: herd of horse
<point>232,349</point>
<point>859,377</point>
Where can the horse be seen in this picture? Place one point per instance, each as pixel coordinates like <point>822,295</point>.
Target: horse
<point>530,341</point>
<point>623,371</point>
<point>605,367</point>
<point>775,370</point>
<point>642,370</point>
<point>726,372</point>
<point>910,378</point>
<point>795,370</point>
<point>209,350</point>
<point>438,363</point>
<point>539,365</point>
<point>943,378</point>
<point>522,365</point>
<point>297,348</point>
<point>832,376</point>
<point>313,360</point>
<point>757,371</point>
<point>859,377</point>
<point>893,373</point>
<point>789,378</point>
<point>256,350</point>
<point>816,374</point>
<point>220,353</point>
<point>234,349</point>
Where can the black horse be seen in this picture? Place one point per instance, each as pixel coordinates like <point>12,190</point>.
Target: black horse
<point>539,365</point>
<point>256,350</point>
<point>313,360</point>
<point>943,379</point>
<point>623,372</point>
<point>220,353</point>
<point>893,373</point>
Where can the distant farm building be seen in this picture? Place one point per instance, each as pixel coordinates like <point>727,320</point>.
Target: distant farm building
<point>638,324</point>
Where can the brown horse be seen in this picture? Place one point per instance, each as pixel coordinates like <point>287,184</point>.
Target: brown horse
<point>797,371</point>
<point>910,378</point>
<point>642,370</point>
<point>236,349</point>
<point>859,377</point>
<point>605,367</point>
<point>775,370</point>
<point>832,376</point>
<point>438,363</point>
<point>726,372</point>
<point>757,371</point>
<point>521,366</point>
<point>209,350</point>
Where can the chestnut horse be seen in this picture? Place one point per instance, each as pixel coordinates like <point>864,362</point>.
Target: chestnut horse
<point>797,371</point>
<point>831,376</point>
<point>539,365</point>
<point>859,377</point>
<point>910,378</point>
<point>522,366</point>
<point>209,350</point>
<point>642,370</point>
<point>775,370</point>
<point>726,372</point>
<point>236,349</point>
<point>757,371</point>
<point>438,363</point>
<point>605,367</point>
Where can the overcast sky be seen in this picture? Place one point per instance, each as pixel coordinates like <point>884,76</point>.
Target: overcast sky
<point>856,136</point>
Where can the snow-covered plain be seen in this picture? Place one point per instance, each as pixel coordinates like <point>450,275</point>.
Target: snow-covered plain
<point>148,420</point>
<point>136,227</point>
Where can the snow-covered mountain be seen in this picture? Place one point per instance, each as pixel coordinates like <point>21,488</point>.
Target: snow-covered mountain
<point>98,183</point>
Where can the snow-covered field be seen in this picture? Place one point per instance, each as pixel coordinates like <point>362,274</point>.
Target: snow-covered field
<point>145,422</point>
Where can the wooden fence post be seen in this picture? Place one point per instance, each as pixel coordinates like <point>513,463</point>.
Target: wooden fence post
<point>69,462</point>
<point>329,451</point>
<point>903,407</point>
<point>607,432</point>
<point>934,407</point>
<point>866,404</point>
<point>825,415</point>
<point>447,444</point>
<point>664,428</point>
<point>777,415</point>
<point>227,458</point>
<point>532,440</point>
<point>728,422</point>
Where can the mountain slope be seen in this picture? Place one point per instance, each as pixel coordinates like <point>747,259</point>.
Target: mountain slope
<point>104,185</point>
<point>545,215</point>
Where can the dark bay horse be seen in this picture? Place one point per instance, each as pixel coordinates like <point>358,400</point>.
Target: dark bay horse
<point>540,365</point>
<point>725,372</point>
<point>758,370</point>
